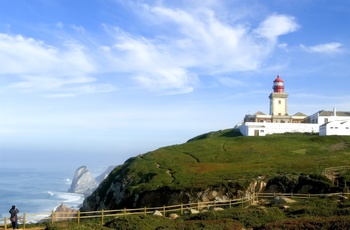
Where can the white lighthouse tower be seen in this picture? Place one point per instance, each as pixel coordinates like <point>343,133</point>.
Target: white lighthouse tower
<point>278,101</point>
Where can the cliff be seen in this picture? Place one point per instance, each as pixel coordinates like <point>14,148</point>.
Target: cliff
<point>221,165</point>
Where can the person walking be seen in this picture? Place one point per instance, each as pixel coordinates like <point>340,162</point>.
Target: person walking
<point>14,218</point>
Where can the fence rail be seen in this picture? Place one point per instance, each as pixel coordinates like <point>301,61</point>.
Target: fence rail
<point>336,169</point>
<point>182,208</point>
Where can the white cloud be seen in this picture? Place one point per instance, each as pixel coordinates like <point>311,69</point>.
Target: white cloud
<point>175,80</point>
<point>231,82</point>
<point>199,41</point>
<point>41,67</point>
<point>277,25</point>
<point>327,48</point>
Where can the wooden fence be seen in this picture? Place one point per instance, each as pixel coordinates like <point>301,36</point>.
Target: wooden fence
<point>165,210</point>
<point>333,174</point>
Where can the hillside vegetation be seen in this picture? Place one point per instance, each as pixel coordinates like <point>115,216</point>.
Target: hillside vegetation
<point>216,157</point>
<point>226,162</point>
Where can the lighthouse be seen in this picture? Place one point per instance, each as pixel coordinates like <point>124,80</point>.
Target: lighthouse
<point>278,99</point>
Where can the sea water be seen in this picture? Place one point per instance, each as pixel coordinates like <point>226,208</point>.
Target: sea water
<point>35,191</point>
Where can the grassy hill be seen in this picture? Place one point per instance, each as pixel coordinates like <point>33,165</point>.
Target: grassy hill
<point>216,157</point>
<point>223,157</point>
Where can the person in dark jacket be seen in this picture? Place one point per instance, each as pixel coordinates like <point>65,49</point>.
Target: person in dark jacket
<point>14,218</point>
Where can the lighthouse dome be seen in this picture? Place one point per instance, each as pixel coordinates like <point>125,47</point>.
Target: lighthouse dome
<point>278,85</point>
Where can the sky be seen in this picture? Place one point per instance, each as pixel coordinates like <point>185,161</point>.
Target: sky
<point>96,82</point>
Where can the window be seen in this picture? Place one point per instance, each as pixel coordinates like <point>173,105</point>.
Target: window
<point>279,102</point>
<point>347,127</point>
<point>261,120</point>
<point>325,120</point>
<point>331,127</point>
<point>336,127</point>
<point>261,131</point>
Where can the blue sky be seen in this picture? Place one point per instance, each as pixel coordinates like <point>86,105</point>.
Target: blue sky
<point>95,82</point>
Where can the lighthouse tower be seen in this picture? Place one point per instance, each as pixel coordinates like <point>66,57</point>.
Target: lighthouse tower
<point>278,99</point>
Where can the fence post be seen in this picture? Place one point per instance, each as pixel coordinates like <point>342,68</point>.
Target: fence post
<point>78,217</point>
<point>52,217</point>
<point>102,217</point>
<point>198,205</point>
<point>230,203</point>
<point>24,221</point>
<point>242,201</point>
<point>145,211</point>
<point>164,210</point>
<point>124,211</point>
<point>5,223</point>
<point>182,209</point>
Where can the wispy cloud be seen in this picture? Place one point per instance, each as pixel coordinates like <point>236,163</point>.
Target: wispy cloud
<point>231,82</point>
<point>326,48</point>
<point>41,67</point>
<point>277,25</point>
<point>199,40</point>
<point>168,61</point>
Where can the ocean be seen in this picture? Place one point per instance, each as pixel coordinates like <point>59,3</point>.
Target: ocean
<point>35,191</point>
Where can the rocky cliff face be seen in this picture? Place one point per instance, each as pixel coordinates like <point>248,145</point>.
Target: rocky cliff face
<point>83,182</point>
<point>114,192</point>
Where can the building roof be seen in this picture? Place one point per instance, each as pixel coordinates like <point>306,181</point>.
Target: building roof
<point>259,113</point>
<point>331,113</point>
<point>278,79</point>
<point>341,122</point>
<point>300,114</point>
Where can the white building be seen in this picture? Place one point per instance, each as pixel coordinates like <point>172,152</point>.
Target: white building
<point>278,107</point>
<point>262,129</point>
<point>278,121</point>
<point>323,117</point>
<point>336,127</point>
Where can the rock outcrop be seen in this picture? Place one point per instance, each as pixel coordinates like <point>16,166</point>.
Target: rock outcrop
<point>62,212</point>
<point>83,182</point>
<point>104,175</point>
<point>115,193</point>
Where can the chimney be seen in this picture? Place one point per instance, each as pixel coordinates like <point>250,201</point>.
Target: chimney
<point>334,112</point>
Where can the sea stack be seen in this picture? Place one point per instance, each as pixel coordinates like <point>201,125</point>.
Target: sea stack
<point>83,182</point>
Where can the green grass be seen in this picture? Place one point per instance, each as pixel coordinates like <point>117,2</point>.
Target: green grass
<point>220,156</point>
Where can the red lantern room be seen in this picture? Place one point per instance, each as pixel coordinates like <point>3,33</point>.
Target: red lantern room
<point>278,85</point>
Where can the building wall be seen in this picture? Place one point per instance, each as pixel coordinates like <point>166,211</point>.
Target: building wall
<point>262,129</point>
<point>320,120</point>
<point>278,104</point>
<point>335,128</point>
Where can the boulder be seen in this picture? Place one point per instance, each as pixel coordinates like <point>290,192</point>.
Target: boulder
<point>173,216</point>
<point>194,211</point>
<point>157,213</point>
<point>62,212</point>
